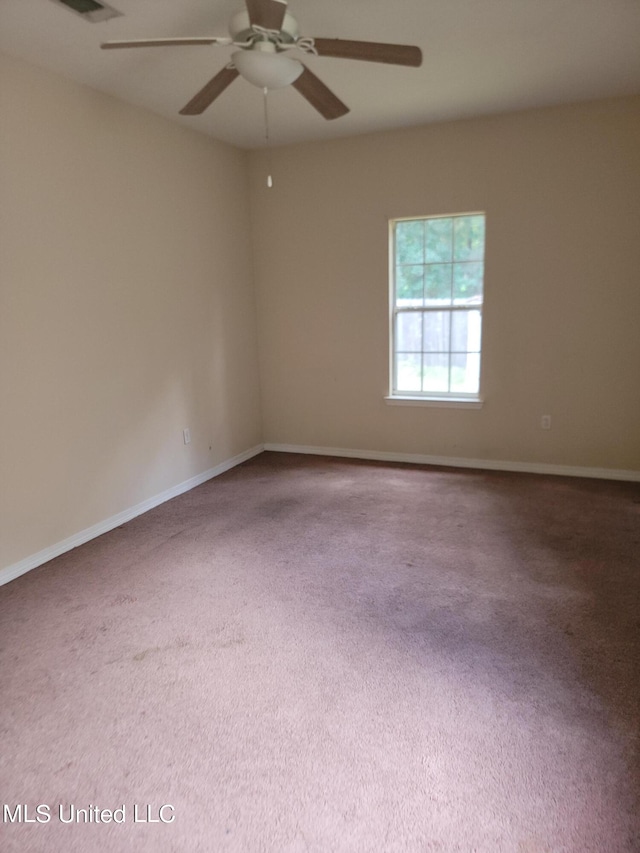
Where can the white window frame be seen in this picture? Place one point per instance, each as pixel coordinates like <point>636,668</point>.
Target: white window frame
<point>455,399</point>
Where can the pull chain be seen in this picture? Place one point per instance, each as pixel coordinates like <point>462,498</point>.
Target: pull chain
<point>266,136</point>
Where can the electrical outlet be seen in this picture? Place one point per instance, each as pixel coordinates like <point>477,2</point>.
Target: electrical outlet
<point>186,434</point>
<point>545,422</point>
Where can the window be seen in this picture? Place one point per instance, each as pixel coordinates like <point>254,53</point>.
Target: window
<point>437,273</point>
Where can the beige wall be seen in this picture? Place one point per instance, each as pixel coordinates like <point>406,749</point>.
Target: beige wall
<point>126,308</point>
<point>561,190</point>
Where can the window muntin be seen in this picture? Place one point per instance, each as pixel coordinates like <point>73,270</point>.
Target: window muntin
<point>437,297</point>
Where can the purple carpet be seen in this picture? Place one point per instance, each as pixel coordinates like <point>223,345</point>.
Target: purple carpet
<point>311,654</point>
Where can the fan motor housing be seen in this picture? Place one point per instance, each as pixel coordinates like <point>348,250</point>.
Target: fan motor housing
<point>241,30</point>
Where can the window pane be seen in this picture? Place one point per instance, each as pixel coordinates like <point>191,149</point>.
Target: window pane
<point>410,242</point>
<point>409,332</point>
<point>409,281</point>
<point>468,240</point>
<point>465,373</point>
<point>467,283</point>
<point>437,284</point>
<point>435,372</point>
<point>474,332</point>
<point>465,331</point>
<point>436,331</point>
<point>439,240</point>
<point>408,373</point>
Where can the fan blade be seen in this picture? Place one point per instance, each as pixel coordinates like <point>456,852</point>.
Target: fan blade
<point>268,14</point>
<point>319,96</point>
<point>393,54</point>
<point>113,45</point>
<point>207,95</point>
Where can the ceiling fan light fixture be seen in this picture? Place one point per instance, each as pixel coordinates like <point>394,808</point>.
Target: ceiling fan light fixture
<point>266,69</point>
<point>264,32</point>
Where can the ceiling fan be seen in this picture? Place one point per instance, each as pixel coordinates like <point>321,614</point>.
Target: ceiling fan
<point>264,34</point>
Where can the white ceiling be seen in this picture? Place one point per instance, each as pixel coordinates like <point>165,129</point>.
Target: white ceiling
<point>480,57</point>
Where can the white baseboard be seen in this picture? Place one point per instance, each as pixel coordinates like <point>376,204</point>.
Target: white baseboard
<point>460,462</point>
<point>14,571</point>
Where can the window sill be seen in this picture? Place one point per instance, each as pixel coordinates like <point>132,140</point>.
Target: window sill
<point>443,402</point>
